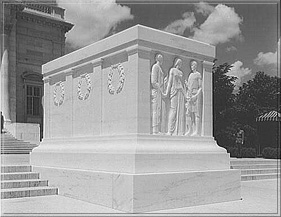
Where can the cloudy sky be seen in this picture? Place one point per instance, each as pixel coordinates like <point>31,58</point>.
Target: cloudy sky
<point>245,35</point>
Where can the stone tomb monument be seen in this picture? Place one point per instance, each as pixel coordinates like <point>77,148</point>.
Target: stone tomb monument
<point>128,124</point>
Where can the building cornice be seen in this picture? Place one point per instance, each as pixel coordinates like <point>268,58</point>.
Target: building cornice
<point>44,20</point>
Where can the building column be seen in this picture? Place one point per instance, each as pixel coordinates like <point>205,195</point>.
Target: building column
<point>207,119</point>
<point>5,103</point>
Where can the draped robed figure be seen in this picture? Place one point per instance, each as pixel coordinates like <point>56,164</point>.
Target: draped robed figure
<point>157,101</point>
<point>175,91</point>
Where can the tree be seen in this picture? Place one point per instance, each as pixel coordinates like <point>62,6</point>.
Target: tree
<point>239,111</point>
<point>260,95</point>
<point>223,99</point>
<point>256,97</point>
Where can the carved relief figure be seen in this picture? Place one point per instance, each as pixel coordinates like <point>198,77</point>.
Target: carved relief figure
<point>194,89</point>
<point>176,92</point>
<point>158,105</point>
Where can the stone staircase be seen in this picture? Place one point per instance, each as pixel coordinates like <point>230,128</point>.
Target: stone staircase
<point>20,181</point>
<point>11,145</point>
<point>256,168</point>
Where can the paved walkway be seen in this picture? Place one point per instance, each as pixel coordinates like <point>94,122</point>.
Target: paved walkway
<point>259,198</point>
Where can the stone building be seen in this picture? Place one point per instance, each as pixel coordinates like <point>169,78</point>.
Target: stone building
<point>31,35</point>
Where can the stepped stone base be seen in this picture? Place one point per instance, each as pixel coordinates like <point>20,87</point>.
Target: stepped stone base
<point>145,192</point>
<point>139,173</point>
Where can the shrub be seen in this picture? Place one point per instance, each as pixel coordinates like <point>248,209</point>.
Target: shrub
<point>245,152</point>
<point>272,153</point>
<point>248,152</point>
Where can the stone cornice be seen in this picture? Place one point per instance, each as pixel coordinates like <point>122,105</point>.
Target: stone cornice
<point>143,52</point>
<point>45,20</point>
<point>137,40</point>
<point>13,6</point>
<point>30,75</point>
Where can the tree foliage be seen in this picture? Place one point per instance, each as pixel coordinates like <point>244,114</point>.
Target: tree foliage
<point>261,94</point>
<point>223,99</point>
<point>239,111</point>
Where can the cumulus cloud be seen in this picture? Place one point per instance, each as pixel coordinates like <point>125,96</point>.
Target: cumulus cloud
<point>269,57</point>
<point>92,19</point>
<point>239,72</point>
<point>179,26</point>
<point>204,8</point>
<point>220,26</point>
<point>231,48</point>
<point>266,58</point>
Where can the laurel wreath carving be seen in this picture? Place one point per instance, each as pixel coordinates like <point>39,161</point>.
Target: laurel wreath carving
<point>84,96</point>
<point>121,72</point>
<point>59,93</point>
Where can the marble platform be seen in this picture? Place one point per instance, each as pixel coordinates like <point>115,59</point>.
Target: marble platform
<point>139,173</point>
<point>145,192</point>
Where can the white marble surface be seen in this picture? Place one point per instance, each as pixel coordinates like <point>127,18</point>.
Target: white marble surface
<point>15,159</point>
<point>145,192</point>
<point>131,143</point>
<point>132,154</point>
<point>130,163</point>
<point>259,198</point>
<point>94,187</point>
<point>123,194</point>
<point>174,190</point>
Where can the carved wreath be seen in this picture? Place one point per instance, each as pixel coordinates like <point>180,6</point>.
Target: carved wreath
<point>84,96</point>
<point>59,93</point>
<point>121,72</point>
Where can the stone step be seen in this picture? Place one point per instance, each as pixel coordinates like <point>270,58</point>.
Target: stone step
<point>16,168</point>
<point>259,177</point>
<point>20,148</point>
<point>15,147</point>
<point>13,143</point>
<point>253,161</point>
<point>253,166</point>
<point>28,192</point>
<point>19,176</point>
<point>7,136</point>
<point>8,139</point>
<point>260,171</point>
<point>23,183</point>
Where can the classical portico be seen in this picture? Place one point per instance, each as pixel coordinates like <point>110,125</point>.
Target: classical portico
<point>32,34</point>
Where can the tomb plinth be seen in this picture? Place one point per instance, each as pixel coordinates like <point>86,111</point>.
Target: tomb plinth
<point>117,117</point>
